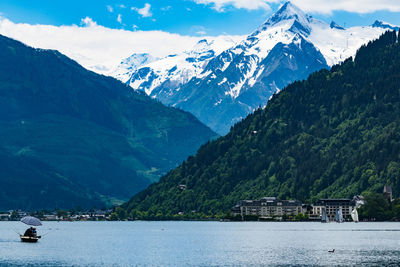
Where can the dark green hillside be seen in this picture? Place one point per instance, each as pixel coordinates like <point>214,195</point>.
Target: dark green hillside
<point>82,137</point>
<point>334,135</point>
<point>44,184</point>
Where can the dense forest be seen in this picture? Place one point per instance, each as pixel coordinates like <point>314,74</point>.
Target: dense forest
<point>379,208</point>
<point>70,137</point>
<point>336,134</point>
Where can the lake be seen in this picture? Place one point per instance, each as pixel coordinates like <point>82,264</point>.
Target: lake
<point>202,244</point>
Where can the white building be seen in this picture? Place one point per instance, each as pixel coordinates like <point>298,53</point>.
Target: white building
<point>268,207</point>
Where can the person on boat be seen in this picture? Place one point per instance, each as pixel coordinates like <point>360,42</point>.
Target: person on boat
<point>31,232</point>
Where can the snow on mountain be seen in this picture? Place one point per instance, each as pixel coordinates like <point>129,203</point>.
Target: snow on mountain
<point>337,45</point>
<point>131,64</point>
<point>385,25</point>
<point>175,70</point>
<point>221,81</point>
<point>334,25</point>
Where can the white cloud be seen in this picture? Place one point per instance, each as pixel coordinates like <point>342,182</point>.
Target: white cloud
<point>317,6</point>
<point>88,22</point>
<point>96,47</point>
<point>122,6</point>
<point>357,6</point>
<point>201,32</point>
<point>219,5</point>
<point>145,11</point>
<point>110,9</point>
<point>119,18</point>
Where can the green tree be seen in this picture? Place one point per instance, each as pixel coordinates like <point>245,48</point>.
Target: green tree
<point>121,213</point>
<point>376,208</point>
<point>14,215</point>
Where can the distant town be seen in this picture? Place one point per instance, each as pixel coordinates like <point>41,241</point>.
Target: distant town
<point>60,215</point>
<point>264,209</point>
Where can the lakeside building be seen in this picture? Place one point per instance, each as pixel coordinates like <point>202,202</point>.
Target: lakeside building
<point>4,217</point>
<point>331,206</point>
<point>50,217</point>
<point>274,208</point>
<point>268,208</point>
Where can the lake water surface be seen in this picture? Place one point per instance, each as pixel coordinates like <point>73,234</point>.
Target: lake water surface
<point>202,244</point>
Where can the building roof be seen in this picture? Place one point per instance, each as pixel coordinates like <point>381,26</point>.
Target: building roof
<point>334,201</point>
<point>269,201</point>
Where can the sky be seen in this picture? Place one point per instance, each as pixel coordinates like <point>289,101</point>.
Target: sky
<point>191,17</point>
<point>100,33</point>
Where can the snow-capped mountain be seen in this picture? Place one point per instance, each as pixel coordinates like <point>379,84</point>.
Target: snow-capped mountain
<point>385,25</point>
<point>163,77</point>
<point>222,86</point>
<point>131,64</point>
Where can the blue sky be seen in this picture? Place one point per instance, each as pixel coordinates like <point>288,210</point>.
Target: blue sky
<point>190,17</point>
<point>98,34</point>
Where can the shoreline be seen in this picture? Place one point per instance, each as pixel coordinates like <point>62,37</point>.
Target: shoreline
<point>221,221</point>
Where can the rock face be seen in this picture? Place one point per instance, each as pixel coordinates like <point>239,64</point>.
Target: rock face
<point>221,87</point>
<point>385,25</point>
<point>70,137</point>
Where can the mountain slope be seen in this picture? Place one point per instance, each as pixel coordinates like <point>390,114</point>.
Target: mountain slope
<point>82,130</point>
<point>229,85</point>
<point>130,65</point>
<point>28,183</point>
<point>255,80</point>
<point>385,25</point>
<point>337,134</point>
<point>163,77</point>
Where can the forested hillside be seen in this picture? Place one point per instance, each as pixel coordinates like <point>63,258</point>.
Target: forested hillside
<point>335,134</point>
<point>71,137</point>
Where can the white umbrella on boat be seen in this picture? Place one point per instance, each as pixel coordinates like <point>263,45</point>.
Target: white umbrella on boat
<point>33,221</point>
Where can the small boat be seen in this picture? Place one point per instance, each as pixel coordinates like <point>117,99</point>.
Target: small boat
<point>354,215</point>
<point>30,235</point>
<point>29,239</point>
<point>331,251</point>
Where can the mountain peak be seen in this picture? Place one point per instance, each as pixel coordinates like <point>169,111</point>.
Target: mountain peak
<point>384,25</point>
<point>201,51</point>
<point>334,25</point>
<point>203,41</point>
<point>289,7</point>
<point>202,44</point>
<point>130,64</point>
<point>138,59</point>
<point>288,11</point>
